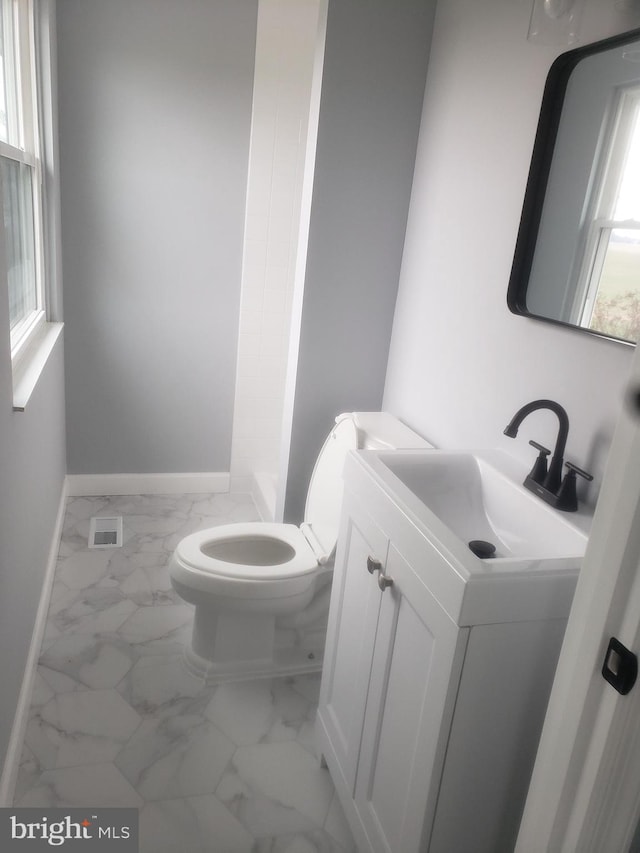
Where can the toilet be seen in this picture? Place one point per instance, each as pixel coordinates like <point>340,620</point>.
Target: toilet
<point>261,590</point>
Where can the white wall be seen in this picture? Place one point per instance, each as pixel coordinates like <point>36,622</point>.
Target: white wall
<point>460,363</point>
<point>155,110</point>
<point>285,50</point>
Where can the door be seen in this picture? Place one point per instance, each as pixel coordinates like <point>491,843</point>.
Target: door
<point>585,789</point>
<point>416,667</point>
<point>355,602</point>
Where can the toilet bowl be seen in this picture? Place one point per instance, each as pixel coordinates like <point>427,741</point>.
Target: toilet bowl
<point>260,589</point>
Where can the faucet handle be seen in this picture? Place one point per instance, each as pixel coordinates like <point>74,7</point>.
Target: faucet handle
<point>539,470</point>
<point>567,497</point>
<point>543,450</point>
<point>579,471</point>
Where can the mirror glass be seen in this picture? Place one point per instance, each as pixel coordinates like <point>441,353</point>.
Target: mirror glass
<point>577,258</point>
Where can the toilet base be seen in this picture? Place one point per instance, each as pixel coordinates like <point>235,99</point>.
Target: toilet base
<point>231,646</point>
<point>286,661</point>
<point>221,636</point>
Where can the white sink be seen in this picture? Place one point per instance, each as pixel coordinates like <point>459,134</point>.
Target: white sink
<point>474,500</point>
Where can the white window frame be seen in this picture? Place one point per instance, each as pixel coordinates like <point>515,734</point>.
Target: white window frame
<point>25,148</point>
<point>599,221</point>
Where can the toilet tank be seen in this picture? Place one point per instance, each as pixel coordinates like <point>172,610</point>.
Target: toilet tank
<point>383,431</point>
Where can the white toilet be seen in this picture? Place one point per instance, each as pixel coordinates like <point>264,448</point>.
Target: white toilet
<point>261,590</point>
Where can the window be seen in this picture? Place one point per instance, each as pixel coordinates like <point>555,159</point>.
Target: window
<point>609,282</point>
<point>20,172</point>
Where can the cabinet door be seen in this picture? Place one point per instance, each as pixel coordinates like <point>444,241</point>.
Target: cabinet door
<point>415,671</point>
<point>355,601</point>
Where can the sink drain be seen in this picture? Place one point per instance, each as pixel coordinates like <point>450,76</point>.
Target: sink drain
<point>482,549</point>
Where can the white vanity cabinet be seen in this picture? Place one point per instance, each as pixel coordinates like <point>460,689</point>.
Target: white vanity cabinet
<point>428,726</point>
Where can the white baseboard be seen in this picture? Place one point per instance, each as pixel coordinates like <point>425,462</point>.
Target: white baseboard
<point>21,718</point>
<point>85,485</point>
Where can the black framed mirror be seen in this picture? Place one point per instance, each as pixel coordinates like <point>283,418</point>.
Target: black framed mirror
<point>577,256</point>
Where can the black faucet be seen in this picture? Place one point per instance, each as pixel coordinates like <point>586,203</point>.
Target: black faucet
<point>554,474</point>
<point>548,484</point>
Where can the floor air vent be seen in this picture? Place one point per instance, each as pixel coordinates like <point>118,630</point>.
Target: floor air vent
<point>105,532</point>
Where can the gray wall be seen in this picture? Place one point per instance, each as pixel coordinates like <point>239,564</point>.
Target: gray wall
<point>32,469</point>
<point>374,72</point>
<point>460,363</point>
<point>155,111</point>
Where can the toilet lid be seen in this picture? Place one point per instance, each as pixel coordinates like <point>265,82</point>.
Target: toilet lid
<point>324,498</point>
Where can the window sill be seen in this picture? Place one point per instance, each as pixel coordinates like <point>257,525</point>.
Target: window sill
<point>27,370</point>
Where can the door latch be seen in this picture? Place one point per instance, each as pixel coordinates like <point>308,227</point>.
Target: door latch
<point>620,667</point>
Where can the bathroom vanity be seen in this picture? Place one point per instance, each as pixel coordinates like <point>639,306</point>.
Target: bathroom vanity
<point>438,663</point>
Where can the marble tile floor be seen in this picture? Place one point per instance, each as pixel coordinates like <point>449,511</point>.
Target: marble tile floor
<point>116,719</point>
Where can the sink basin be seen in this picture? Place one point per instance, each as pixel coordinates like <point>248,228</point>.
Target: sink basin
<point>475,500</point>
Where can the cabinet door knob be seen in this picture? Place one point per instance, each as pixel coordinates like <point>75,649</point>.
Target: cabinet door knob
<point>373,565</point>
<point>384,581</point>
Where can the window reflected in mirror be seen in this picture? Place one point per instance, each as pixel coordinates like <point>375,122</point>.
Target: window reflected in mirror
<point>577,259</point>
<point>609,284</point>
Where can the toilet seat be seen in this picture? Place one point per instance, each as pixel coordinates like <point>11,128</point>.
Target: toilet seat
<point>267,560</point>
<point>285,561</point>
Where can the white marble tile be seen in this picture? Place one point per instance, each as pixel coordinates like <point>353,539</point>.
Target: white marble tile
<point>95,662</point>
<point>280,732</point>
<point>309,842</point>
<point>69,612</point>
<point>137,559</point>
<point>210,508</point>
<point>102,621</point>
<point>61,597</point>
<point>243,512</point>
<point>77,522</point>
<point>223,769</point>
<point>79,509</point>
<point>288,774</point>
<point>155,623</point>
<point>51,634</point>
<point>156,683</point>
<point>100,785</point>
<point>81,569</point>
<point>308,686</point>
<point>70,544</point>
<point>194,825</point>
<point>149,586</point>
<point>42,691</point>
<point>83,727</point>
<point>173,643</point>
<point>59,682</point>
<point>28,773</point>
<point>262,815</point>
<point>243,710</point>
<point>306,737</point>
<point>161,525</point>
<point>177,756</point>
<point>225,504</point>
<point>290,705</point>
